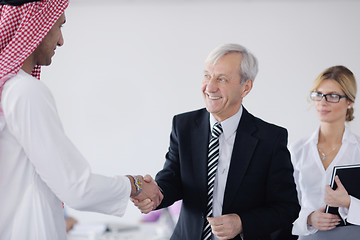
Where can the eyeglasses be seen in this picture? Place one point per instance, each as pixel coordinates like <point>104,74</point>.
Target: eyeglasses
<point>330,97</point>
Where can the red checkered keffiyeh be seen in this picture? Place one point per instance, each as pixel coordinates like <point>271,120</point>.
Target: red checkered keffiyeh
<point>22,28</point>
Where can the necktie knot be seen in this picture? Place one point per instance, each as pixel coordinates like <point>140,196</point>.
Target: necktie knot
<point>217,130</point>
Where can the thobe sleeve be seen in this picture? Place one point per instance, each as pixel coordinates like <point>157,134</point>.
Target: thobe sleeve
<point>31,116</point>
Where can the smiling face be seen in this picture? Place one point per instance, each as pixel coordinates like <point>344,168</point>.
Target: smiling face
<point>45,51</point>
<point>221,87</point>
<point>331,112</point>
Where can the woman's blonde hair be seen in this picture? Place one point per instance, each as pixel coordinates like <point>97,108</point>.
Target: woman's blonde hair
<point>346,79</point>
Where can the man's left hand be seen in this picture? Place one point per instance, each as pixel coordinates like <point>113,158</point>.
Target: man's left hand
<point>226,226</point>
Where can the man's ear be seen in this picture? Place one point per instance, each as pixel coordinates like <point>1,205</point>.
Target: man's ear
<point>247,87</point>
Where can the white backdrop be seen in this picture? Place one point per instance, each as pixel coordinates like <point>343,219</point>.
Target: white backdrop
<point>127,68</point>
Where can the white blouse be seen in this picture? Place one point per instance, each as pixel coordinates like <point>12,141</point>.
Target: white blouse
<point>40,168</point>
<point>311,178</point>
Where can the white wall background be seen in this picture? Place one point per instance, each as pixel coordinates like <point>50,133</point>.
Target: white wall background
<point>127,67</point>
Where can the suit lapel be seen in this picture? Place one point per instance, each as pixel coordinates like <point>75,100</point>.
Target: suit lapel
<point>199,148</point>
<point>244,147</point>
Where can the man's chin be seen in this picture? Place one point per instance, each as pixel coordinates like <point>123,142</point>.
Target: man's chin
<point>46,63</point>
<point>211,110</point>
<point>212,107</point>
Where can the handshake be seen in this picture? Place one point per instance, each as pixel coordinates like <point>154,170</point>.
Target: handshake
<point>145,193</point>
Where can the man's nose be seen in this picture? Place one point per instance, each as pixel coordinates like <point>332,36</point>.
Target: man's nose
<point>212,85</point>
<point>61,40</point>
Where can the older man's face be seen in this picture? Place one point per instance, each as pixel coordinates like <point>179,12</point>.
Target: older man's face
<point>223,92</point>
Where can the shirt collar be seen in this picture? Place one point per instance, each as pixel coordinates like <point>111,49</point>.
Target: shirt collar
<point>347,136</point>
<point>229,125</point>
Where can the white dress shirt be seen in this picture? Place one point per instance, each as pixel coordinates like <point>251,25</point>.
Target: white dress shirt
<point>311,178</point>
<point>40,168</point>
<point>226,144</point>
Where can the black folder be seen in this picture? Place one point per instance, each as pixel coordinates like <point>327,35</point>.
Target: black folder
<point>350,178</point>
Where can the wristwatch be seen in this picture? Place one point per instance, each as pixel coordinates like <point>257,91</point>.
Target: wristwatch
<point>138,184</point>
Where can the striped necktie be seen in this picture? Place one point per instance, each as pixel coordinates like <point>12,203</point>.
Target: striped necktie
<point>213,158</point>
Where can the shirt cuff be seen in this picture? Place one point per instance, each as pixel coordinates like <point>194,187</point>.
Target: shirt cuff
<point>300,225</point>
<point>353,215</point>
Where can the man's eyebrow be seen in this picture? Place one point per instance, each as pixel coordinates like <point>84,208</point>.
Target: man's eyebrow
<point>216,75</point>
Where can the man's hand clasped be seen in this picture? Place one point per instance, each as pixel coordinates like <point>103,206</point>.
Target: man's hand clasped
<point>226,226</point>
<point>150,196</point>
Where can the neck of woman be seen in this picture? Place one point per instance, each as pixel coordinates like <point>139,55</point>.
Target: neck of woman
<point>331,133</point>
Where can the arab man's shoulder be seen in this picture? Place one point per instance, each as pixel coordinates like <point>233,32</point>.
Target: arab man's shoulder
<point>24,90</point>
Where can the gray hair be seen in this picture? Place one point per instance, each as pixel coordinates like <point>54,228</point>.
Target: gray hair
<point>249,63</point>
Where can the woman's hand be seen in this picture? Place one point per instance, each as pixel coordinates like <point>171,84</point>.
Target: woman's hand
<point>338,197</point>
<point>323,221</point>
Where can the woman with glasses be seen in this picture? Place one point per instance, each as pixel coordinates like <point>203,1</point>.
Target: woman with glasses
<point>332,144</point>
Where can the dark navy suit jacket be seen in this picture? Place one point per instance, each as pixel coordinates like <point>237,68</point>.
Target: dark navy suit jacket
<point>260,187</point>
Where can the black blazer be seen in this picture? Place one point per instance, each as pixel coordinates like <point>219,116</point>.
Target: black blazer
<point>260,187</point>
